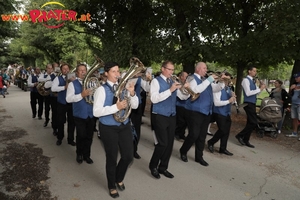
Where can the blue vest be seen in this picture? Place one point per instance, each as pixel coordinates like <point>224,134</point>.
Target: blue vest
<point>109,119</point>
<point>61,96</point>
<point>34,79</point>
<point>252,98</point>
<point>204,102</point>
<point>81,109</point>
<point>52,78</point>
<point>137,89</point>
<point>168,106</point>
<point>224,110</point>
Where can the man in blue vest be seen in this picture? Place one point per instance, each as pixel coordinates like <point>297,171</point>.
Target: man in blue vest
<point>221,113</point>
<point>115,135</point>
<point>250,91</point>
<point>35,97</point>
<point>163,92</point>
<point>199,112</point>
<point>83,115</point>
<point>64,109</point>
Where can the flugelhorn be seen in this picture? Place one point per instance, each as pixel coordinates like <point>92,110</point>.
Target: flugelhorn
<point>185,90</point>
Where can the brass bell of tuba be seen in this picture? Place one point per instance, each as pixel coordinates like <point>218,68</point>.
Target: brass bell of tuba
<point>91,81</point>
<point>136,67</point>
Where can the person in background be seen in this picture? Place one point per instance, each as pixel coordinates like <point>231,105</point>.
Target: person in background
<point>181,116</point>
<point>64,108</point>
<point>35,97</point>
<point>116,136</point>
<point>295,108</point>
<point>1,85</point>
<point>221,113</point>
<point>83,115</point>
<point>282,98</point>
<point>250,91</point>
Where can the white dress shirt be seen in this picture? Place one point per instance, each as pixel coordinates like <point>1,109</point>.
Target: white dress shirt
<point>71,96</point>
<point>157,96</point>
<point>55,85</point>
<point>201,87</point>
<point>29,80</point>
<point>48,83</point>
<point>217,99</point>
<point>99,98</point>
<point>246,87</point>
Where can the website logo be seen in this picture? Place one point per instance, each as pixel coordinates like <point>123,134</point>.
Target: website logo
<point>50,18</point>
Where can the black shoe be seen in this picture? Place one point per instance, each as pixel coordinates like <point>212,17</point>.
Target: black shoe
<point>240,140</point>
<point>154,173</point>
<point>3,96</point>
<point>58,142</point>
<point>202,162</point>
<point>115,194</point>
<point>40,118</point>
<point>121,187</point>
<point>249,145</point>
<point>167,174</point>
<point>54,132</point>
<point>46,123</point>
<point>72,143</point>
<point>88,160</point>
<point>136,155</point>
<point>210,147</point>
<point>225,152</point>
<point>183,157</point>
<point>211,134</point>
<point>79,159</point>
<point>33,116</point>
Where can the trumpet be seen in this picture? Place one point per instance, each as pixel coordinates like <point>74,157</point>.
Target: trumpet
<point>218,74</point>
<point>184,90</point>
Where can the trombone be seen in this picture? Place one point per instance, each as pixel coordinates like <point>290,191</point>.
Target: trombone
<point>186,90</point>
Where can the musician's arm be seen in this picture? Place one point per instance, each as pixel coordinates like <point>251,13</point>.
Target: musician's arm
<point>246,87</point>
<point>29,82</point>
<point>157,96</point>
<point>71,97</point>
<point>55,86</point>
<point>217,99</point>
<point>99,109</point>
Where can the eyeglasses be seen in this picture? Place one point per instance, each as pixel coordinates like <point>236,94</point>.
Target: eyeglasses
<point>169,69</point>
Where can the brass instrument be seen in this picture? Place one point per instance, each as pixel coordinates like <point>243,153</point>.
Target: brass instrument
<point>90,81</point>
<point>184,90</point>
<point>136,67</point>
<point>42,90</point>
<point>218,74</point>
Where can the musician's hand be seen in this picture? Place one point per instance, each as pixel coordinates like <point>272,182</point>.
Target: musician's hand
<point>148,76</point>
<point>86,92</point>
<point>121,104</point>
<point>130,87</point>
<point>262,86</point>
<point>232,99</point>
<point>175,86</point>
<point>233,94</point>
<point>186,85</point>
<point>215,76</point>
<point>225,77</point>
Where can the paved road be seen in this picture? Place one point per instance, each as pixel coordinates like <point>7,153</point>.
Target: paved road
<point>265,173</point>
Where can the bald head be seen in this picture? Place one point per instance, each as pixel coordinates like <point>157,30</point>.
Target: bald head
<point>201,68</point>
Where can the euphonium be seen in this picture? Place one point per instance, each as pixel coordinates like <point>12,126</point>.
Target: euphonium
<point>184,90</point>
<point>136,67</point>
<point>42,90</point>
<point>92,82</point>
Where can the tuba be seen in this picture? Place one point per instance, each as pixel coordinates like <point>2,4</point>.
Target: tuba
<point>42,90</point>
<point>136,67</point>
<point>187,90</point>
<point>90,81</point>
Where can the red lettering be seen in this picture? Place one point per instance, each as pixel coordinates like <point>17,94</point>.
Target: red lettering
<point>43,17</point>
<point>24,17</point>
<point>64,15</point>
<point>5,17</point>
<point>51,15</point>
<point>15,17</point>
<point>88,17</point>
<point>58,13</point>
<point>72,15</point>
<point>34,15</point>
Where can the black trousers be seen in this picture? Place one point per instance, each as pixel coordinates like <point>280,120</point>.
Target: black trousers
<point>197,125</point>
<point>181,121</point>
<point>36,98</point>
<point>222,134</point>
<point>51,104</point>
<point>136,118</point>
<point>65,114</point>
<point>116,138</point>
<point>164,132</point>
<point>144,101</point>
<point>84,135</point>
<point>251,124</point>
